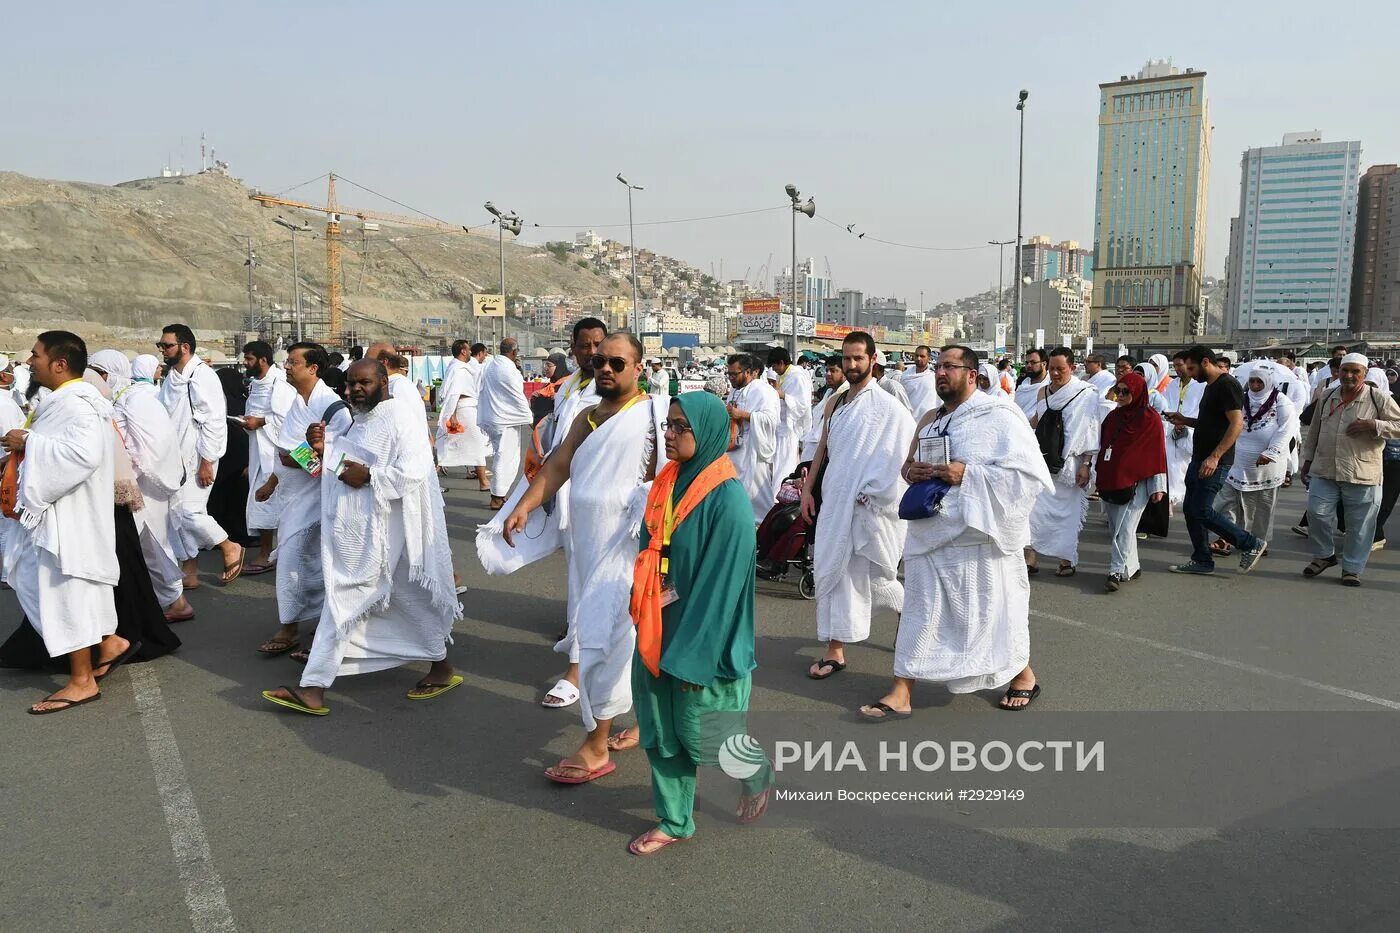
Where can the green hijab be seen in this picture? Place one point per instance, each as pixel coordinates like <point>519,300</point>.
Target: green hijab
<point>709,420</point>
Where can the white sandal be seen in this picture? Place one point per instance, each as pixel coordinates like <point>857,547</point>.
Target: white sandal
<point>563,691</point>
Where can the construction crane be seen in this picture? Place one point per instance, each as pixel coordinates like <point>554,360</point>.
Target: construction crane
<point>334,212</point>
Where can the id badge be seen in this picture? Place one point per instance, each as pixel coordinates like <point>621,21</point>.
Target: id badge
<point>668,593</point>
<point>1108,455</point>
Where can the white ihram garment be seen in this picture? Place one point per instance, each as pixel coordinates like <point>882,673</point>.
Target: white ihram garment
<point>195,400</point>
<point>858,543</point>
<point>1059,512</point>
<point>149,435</point>
<point>575,395</point>
<point>300,588</point>
<point>758,444</point>
<point>795,408</point>
<point>269,398</point>
<point>966,595</point>
<point>504,414</point>
<point>11,419</point>
<point>922,389</point>
<point>1184,397</point>
<point>813,437</point>
<point>61,555</point>
<point>458,399</point>
<point>1026,394</point>
<point>388,571</point>
<point>608,487</point>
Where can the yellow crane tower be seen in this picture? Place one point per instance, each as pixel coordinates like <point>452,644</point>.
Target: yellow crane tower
<point>333,212</point>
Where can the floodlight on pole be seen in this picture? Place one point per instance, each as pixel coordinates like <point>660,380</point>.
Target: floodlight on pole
<point>505,220</point>
<point>631,237</point>
<point>808,207</point>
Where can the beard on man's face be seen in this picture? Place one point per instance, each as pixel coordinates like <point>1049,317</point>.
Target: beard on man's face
<point>369,401</point>
<point>612,391</point>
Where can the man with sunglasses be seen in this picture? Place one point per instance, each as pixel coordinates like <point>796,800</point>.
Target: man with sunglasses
<point>610,455</point>
<point>194,397</point>
<point>754,407</point>
<point>504,414</point>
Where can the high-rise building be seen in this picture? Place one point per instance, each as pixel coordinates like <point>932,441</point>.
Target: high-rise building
<point>1292,245</point>
<point>1375,283</point>
<point>812,289</point>
<point>1042,260</point>
<point>1150,207</point>
<point>1055,306</point>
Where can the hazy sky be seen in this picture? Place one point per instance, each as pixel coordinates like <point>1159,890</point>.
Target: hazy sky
<point>898,117</point>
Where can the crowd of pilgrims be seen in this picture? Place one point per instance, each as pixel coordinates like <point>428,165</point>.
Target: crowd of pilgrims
<point>837,473</point>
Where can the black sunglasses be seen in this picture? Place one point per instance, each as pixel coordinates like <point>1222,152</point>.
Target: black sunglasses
<point>615,363</point>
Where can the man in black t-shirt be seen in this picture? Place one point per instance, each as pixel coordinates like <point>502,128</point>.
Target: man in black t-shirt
<point>1218,424</point>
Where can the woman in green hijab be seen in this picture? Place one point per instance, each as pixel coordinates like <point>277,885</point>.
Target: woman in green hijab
<point>692,600</point>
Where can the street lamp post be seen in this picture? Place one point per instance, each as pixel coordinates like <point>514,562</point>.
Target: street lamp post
<point>631,237</point>
<point>808,207</point>
<point>1020,187</point>
<point>508,220</point>
<point>296,278</point>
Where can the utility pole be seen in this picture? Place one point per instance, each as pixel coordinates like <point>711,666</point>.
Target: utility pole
<point>1001,246</point>
<point>1021,347</point>
<point>252,312</point>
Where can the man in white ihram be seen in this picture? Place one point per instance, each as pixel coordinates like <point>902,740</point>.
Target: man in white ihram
<point>270,397</point>
<point>149,437</point>
<point>1034,377</point>
<point>459,440</point>
<point>966,622</point>
<point>1058,517</point>
<point>578,392</point>
<point>754,408</point>
<point>60,553</point>
<point>920,383</point>
<point>794,391</point>
<point>608,460</point>
<point>504,414</point>
<point>859,536</point>
<point>388,571</point>
<point>195,399</point>
<point>300,587</point>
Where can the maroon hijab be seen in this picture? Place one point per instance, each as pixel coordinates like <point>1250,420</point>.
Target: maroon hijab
<point>1133,432</point>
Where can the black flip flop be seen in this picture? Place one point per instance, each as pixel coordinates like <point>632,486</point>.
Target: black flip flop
<point>118,661</point>
<point>1032,569</point>
<point>68,704</point>
<point>1027,695</point>
<point>836,668</point>
<point>888,713</point>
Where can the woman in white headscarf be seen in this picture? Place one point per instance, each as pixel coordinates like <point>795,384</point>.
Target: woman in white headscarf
<point>144,368</point>
<point>1153,375</point>
<point>1261,454</point>
<point>989,380</point>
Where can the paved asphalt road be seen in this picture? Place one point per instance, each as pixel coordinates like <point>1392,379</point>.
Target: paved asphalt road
<point>183,800</point>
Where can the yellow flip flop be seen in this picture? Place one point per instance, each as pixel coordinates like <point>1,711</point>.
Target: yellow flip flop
<point>297,704</point>
<point>438,689</point>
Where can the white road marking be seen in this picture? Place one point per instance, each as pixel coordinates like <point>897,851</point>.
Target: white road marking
<point>204,891</point>
<point>1224,662</point>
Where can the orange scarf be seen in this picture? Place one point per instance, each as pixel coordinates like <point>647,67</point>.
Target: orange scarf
<point>646,573</point>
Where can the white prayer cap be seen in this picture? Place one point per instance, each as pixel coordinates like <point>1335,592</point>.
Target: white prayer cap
<point>1358,359</point>
<point>881,359</point>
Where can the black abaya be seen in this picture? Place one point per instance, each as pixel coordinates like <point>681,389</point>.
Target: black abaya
<point>139,616</point>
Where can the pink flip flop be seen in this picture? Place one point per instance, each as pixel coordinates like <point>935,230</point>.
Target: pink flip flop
<point>634,845</point>
<point>554,775</point>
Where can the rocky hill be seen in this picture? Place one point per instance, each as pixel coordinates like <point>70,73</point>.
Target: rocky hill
<point>128,258</point>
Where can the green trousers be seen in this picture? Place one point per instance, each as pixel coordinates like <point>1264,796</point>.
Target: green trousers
<point>683,729</point>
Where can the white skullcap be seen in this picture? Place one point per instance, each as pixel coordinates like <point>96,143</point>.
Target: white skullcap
<point>881,359</point>
<point>1359,359</point>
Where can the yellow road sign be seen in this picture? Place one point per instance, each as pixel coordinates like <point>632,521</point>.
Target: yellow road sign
<point>489,305</point>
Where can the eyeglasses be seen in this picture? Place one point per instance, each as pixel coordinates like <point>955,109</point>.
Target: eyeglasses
<point>677,427</point>
<point>945,367</point>
<point>166,346</point>
<point>615,363</point>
